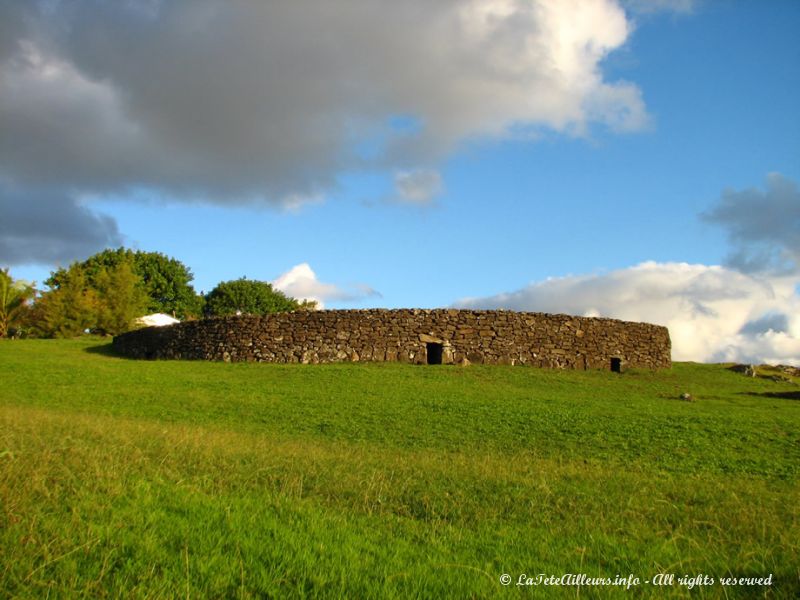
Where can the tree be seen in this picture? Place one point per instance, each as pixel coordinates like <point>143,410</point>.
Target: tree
<point>122,299</point>
<point>108,304</point>
<point>245,296</point>
<point>168,284</point>
<point>70,308</point>
<point>167,281</point>
<point>14,301</point>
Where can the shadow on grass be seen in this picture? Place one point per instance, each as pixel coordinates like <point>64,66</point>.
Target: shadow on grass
<point>106,350</point>
<point>791,395</point>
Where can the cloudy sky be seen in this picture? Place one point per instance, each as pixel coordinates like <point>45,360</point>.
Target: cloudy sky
<point>637,159</point>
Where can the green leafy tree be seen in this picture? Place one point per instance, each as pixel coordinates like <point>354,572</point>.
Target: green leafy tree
<point>167,281</point>
<point>109,303</point>
<point>122,299</point>
<point>69,309</point>
<point>168,285</point>
<point>248,297</point>
<point>15,297</point>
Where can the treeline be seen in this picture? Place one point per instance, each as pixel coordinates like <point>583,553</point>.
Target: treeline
<point>108,292</point>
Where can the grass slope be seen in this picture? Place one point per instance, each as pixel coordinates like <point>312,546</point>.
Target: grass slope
<point>164,479</point>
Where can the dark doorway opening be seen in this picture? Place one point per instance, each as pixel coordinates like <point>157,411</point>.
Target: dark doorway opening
<point>616,365</point>
<point>434,353</point>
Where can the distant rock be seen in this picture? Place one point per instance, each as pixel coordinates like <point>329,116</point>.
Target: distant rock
<point>746,370</point>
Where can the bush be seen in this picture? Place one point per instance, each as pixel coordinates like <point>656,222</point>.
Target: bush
<point>247,297</point>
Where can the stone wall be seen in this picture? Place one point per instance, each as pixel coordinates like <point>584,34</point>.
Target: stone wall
<point>413,336</point>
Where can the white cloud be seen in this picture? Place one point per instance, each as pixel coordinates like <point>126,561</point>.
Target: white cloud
<point>418,186</point>
<point>301,282</point>
<point>714,314</point>
<point>748,311</point>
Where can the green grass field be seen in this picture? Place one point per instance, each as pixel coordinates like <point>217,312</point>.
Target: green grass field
<point>164,479</point>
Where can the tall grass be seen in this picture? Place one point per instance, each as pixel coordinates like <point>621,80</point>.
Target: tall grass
<point>164,479</point>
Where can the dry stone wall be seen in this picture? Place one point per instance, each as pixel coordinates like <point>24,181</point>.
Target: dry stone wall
<point>414,336</point>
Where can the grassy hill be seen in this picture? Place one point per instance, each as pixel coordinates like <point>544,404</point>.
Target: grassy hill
<point>164,479</point>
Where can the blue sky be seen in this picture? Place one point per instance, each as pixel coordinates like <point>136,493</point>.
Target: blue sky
<point>687,110</point>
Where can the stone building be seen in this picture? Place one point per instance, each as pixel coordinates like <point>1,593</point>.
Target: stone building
<point>443,336</point>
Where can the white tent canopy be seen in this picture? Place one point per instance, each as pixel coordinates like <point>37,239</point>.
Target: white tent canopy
<point>157,320</point>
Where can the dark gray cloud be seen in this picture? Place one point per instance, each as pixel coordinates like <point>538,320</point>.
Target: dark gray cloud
<point>50,228</point>
<point>235,101</point>
<point>777,322</point>
<point>245,101</point>
<point>763,226</point>
<point>12,26</point>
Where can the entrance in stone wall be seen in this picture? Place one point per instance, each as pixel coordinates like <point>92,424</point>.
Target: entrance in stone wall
<point>434,352</point>
<point>616,365</point>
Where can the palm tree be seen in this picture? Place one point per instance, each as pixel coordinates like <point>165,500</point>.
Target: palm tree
<point>14,297</point>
